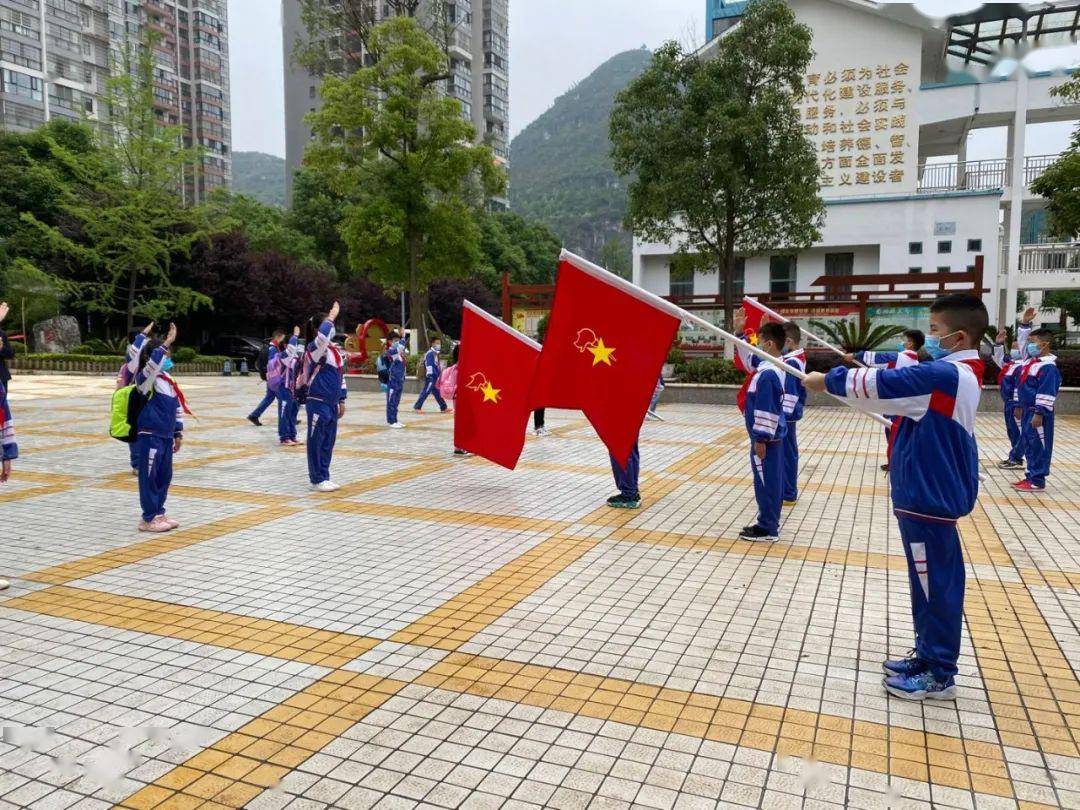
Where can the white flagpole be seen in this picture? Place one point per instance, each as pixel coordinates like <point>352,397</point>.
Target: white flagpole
<point>776,315</point>
<point>678,312</point>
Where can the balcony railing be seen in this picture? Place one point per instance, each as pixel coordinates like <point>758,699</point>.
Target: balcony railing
<point>1050,257</point>
<point>974,175</point>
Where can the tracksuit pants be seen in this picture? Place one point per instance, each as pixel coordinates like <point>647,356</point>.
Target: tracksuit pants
<point>1039,446</point>
<point>626,478</point>
<point>936,574</point>
<point>288,412</point>
<point>267,401</point>
<point>791,462</point>
<point>1015,429</point>
<point>155,473</point>
<point>430,389</point>
<point>322,422</point>
<point>133,454</point>
<point>538,418</point>
<point>393,400</point>
<point>769,485</point>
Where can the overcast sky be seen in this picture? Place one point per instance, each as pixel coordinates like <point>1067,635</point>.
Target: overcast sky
<point>553,43</point>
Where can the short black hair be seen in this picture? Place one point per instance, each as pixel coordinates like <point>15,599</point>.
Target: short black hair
<point>792,332</point>
<point>774,332</point>
<point>1043,334</point>
<point>916,336</point>
<point>963,312</point>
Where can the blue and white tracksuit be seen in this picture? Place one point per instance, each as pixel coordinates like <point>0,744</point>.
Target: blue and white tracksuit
<point>270,396</point>
<point>794,403</point>
<point>432,371</point>
<point>765,423</point>
<point>889,360</point>
<point>934,472</point>
<point>1036,393</point>
<point>326,391</point>
<point>124,378</point>
<point>288,408</point>
<point>1007,381</point>
<point>9,449</point>
<point>397,382</point>
<point>161,421</point>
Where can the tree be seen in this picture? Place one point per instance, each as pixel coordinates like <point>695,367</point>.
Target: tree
<point>401,154</point>
<point>128,219</point>
<point>317,211</point>
<point>1060,183</point>
<point>34,295</point>
<point>267,227</point>
<point>528,251</point>
<point>1067,302</point>
<point>719,160</point>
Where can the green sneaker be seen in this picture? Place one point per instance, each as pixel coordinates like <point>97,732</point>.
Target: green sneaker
<point>623,502</point>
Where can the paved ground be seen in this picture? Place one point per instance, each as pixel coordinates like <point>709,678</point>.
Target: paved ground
<point>446,633</point>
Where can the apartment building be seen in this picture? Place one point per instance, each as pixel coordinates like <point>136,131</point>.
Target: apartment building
<point>56,57</point>
<point>477,39</point>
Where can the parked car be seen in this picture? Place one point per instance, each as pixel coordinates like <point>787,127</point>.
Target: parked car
<point>235,346</point>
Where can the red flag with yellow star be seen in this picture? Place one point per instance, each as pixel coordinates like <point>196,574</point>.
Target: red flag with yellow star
<point>495,368</point>
<point>606,343</point>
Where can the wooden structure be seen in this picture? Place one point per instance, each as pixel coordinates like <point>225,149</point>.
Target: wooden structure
<point>524,296</point>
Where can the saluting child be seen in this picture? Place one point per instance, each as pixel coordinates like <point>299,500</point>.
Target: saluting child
<point>766,425</point>
<point>160,428</point>
<point>1036,394</point>
<point>124,377</point>
<point>287,353</point>
<point>794,403</point>
<point>1008,377</point>
<point>322,375</point>
<point>935,480</point>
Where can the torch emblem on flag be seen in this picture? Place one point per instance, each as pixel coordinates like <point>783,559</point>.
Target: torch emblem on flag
<point>479,382</point>
<point>587,341</point>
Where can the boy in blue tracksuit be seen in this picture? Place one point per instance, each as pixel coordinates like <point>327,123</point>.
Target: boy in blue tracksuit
<point>396,386</point>
<point>794,404</point>
<point>767,426</point>
<point>1036,395</point>
<point>124,378</point>
<point>270,396</point>
<point>1008,378</point>
<point>934,477</point>
<point>322,374</point>
<point>160,429</point>
<point>288,408</point>
<point>432,371</point>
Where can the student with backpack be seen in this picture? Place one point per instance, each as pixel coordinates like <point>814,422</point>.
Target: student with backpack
<point>159,426</point>
<point>280,377</point>
<point>320,386</point>
<point>124,377</point>
<point>396,385</point>
<point>262,365</point>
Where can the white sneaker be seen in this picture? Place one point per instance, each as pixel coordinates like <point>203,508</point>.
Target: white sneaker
<point>4,584</point>
<point>325,486</point>
<point>542,431</point>
<point>397,425</point>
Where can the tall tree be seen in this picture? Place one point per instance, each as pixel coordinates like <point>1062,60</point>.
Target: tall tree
<point>1067,304</point>
<point>718,157</point>
<point>1060,183</point>
<point>127,218</point>
<point>401,154</point>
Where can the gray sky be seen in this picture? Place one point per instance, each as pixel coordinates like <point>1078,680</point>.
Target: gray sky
<point>553,43</point>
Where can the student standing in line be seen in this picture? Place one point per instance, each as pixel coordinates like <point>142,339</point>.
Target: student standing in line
<point>794,403</point>
<point>396,385</point>
<point>270,396</point>
<point>286,356</point>
<point>1036,395</point>
<point>321,379</point>
<point>1007,380</point>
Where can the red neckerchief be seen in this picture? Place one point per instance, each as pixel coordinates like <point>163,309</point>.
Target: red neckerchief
<point>1025,369</point>
<point>179,393</point>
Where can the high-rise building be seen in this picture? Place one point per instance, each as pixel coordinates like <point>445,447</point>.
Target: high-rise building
<point>56,57</point>
<point>477,39</point>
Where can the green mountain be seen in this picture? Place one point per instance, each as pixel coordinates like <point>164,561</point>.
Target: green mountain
<point>259,175</point>
<point>560,166</point>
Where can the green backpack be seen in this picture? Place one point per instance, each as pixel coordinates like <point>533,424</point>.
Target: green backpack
<point>127,404</point>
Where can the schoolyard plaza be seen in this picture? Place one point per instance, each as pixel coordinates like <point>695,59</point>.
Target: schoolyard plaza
<point>441,631</point>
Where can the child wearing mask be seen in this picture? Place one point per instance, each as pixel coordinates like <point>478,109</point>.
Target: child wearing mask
<point>322,379</point>
<point>287,353</point>
<point>1036,395</point>
<point>432,370</point>
<point>1008,377</point>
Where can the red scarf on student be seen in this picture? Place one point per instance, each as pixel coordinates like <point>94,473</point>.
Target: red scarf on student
<point>179,394</point>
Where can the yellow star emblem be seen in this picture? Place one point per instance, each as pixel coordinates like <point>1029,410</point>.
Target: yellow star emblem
<point>490,393</point>
<point>601,353</point>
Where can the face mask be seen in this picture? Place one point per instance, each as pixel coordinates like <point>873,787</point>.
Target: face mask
<point>934,348</point>
<point>1014,354</point>
<point>901,347</point>
<point>436,349</point>
<point>167,365</point>
<point>1033,350</point>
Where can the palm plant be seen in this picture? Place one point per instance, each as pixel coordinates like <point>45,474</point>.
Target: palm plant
<point>852,337</point>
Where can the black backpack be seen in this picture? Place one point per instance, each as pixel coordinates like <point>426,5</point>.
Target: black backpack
<point>384,368</point>
<point>262,362</point>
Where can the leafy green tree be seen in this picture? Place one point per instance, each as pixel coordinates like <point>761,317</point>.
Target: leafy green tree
<point>854,338</point>
<point>401,155</point>
<point>267,227</point>
<point>715,147</point>
<point>317,211</point>
<point>33,294</point>
<point>1060,183</point>
<point>528,251</point>
<point>127,219</point>
<point>1066,302</point>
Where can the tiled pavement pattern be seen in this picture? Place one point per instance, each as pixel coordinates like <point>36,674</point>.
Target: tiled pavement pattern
<point>444,633</point>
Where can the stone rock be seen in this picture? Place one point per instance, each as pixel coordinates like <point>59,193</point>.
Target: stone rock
<point>58,335</point>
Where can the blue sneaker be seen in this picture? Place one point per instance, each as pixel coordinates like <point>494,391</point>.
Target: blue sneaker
<point>908,665</point>
<point>923,686</point>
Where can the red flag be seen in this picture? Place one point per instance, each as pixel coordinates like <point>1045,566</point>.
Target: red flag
<point>606,343</point>
<point>754,316</point>
<point>495,368</point>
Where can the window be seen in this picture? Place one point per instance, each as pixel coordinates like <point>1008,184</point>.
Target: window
<point>782,273</point>
<point>914,270</point>
<point>681,277</point>
<point>975,245</point>
<point>914,248</point>
<point>738,279</point>
<point>20,84</point>
<point>944,270</point>
<point>311,91</point>
<point>840,264</point>
<point>944,247</point>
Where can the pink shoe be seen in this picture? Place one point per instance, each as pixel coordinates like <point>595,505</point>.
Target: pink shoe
<point>172,524</point>
<point>157,526</point>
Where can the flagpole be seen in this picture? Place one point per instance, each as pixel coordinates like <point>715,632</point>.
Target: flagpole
<point>806,332</point>
<point>678,312</point>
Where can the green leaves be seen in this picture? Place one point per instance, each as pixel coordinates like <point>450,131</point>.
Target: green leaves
<point>852,337</point>
<point>1060,183</point>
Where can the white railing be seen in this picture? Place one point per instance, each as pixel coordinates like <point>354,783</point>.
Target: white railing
<point>974,175</point>
<point>1050,257</point>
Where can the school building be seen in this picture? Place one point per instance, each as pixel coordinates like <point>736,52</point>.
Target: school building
<point>891,98</point>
